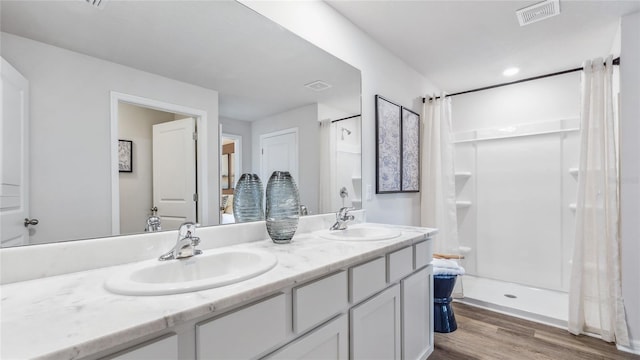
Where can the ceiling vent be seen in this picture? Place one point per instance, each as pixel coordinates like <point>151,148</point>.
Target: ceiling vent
<point>318,85</point>
<point>537,12</point>
<point>97,3</point>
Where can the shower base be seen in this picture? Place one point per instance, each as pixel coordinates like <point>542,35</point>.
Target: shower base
<point>540,305</point>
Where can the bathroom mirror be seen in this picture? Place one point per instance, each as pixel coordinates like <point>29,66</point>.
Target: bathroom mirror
<point>214,65</point>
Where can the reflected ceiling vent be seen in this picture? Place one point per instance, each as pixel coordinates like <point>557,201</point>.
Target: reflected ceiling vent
<point>97,3</point>
<point>537,12</point>
<point>318,85</point>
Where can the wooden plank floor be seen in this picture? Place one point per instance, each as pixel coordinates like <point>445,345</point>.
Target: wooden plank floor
<point>484,334</point>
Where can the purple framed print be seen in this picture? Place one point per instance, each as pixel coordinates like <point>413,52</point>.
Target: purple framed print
<point>410,151</point>
<point>388,149</point>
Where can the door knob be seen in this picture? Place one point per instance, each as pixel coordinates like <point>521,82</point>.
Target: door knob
<point>28,222</point>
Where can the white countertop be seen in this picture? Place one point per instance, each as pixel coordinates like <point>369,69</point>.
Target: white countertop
<point>71,316</point>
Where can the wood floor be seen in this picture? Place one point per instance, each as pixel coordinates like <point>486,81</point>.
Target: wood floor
<point>484,334</point>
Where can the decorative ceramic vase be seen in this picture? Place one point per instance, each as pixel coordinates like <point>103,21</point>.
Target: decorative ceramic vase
<point>283,206</point>
<point>247,199</point>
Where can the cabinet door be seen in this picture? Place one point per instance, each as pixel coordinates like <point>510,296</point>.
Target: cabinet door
<point>375,327</point>
<point>417,310</point>
<point>326,343</point>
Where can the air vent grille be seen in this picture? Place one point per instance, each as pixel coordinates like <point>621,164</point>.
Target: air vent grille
<point>318,85</point>
<point>537,12</point>
<point>96,3</point>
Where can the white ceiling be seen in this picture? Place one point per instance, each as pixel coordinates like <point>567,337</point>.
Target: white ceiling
<point>462,45</point>
<point>258,68</point>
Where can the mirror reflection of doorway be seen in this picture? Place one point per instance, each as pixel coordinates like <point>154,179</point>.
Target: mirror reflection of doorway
<point>230,170</point>
<point>163,172</point>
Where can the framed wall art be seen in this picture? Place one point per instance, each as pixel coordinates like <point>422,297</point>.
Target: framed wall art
<point>388,149</point>
<point>410,151</point>
<point>125,155</point>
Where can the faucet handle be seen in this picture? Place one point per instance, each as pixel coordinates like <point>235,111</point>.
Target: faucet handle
<point>187,229</point>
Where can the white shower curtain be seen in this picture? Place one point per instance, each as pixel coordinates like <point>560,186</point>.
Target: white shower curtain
<point>595,296</point>
<point>438,195</point>
<point>327,181</point>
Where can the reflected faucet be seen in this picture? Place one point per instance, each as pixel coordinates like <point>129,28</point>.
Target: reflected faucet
<point>186,244</point>
<point>342,218</point>
<point>153,221</point>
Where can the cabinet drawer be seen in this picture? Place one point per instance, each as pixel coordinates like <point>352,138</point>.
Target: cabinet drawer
<point>399,264</point>
<point>163,349</point>
<point>245,333</point>
<point>422,254</point>
<point>367,279</point>
<point>319,301</point>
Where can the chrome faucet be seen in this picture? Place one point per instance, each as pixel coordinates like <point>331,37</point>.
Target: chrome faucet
<point>186,244</point>
<point>342,217</point>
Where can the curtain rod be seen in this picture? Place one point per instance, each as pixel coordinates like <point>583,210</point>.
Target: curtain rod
<point>347,118</point>
<point>616,61</point>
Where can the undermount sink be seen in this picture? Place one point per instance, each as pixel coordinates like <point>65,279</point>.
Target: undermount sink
<point>357,233</point>
<point>214,268</point>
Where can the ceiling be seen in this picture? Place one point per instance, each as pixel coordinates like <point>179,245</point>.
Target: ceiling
<point>462,45</point>
<point>258,68</point>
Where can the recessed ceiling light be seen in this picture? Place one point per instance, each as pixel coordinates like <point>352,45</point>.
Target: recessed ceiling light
<point>511,71</point>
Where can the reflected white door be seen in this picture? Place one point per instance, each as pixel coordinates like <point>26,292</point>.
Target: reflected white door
<point>279,152</point>
<point>174,172</point>
<point>14,192</point>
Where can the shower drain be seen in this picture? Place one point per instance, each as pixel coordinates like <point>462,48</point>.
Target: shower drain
<point>511,296</point>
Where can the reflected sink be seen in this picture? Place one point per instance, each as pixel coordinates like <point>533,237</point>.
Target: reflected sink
<point>214,268</point>
<point>357,233</point>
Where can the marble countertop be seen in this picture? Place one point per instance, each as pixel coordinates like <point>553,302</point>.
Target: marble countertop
<point>72,315</point>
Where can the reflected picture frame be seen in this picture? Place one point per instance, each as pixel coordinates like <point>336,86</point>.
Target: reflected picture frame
<point>125,156</point>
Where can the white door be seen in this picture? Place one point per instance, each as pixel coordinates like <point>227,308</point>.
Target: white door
<point>375,327</point>
<point>174,172</point>
<point>279,153</point>
<point>14,191</point>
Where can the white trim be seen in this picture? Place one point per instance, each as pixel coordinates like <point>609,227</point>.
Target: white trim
<point>201,162</point>
<point>293,130</point>
<point>634,348</point>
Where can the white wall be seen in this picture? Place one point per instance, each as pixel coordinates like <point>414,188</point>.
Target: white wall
<point>382,73</point>
<point>70,133</point>
<point>630,171</point>
<point>519,183</point>
<point>136,187</point>
<point>241,128</point>
<point>306,120</point>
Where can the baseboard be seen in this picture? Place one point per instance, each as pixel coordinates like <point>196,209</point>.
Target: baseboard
<point>633,349</point>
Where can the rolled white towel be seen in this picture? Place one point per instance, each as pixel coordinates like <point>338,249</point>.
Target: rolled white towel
<point>446,267</point>
<point>444,263</point>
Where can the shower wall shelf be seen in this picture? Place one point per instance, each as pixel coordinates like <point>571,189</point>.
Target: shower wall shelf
<point>461,204</point>
<point>462,175</point>
<point>574,171</point>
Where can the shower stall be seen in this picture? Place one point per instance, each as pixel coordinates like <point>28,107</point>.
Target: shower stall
<point>516,156</point>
